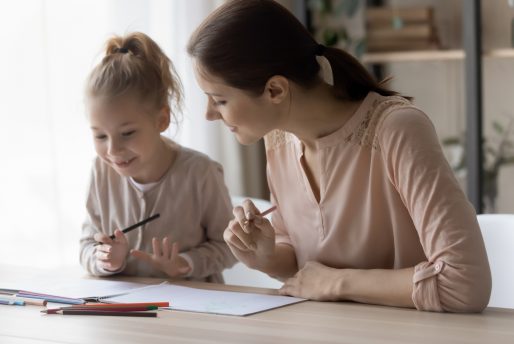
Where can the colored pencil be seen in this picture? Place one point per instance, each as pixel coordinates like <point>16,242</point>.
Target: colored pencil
<point>134,226</point>
<point>49,298</point>
<point>246,222</point>
<point>12,302</point>
<point>119,305</point>
<point>266,212</point>
<point>28,301</point>
<point>107,313</point>
<point>120,309</point>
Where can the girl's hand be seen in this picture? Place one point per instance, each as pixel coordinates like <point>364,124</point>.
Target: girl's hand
<point>250,237</point>
<point>111,254</point>
<point>164,258</point>
<point>314,281</point>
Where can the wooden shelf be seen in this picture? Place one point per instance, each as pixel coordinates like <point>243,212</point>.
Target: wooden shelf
<point>500,53</point>
<point>413,56</point>
<point>430,55</point>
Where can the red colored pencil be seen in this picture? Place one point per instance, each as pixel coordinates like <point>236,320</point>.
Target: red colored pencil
<point>121,305</point>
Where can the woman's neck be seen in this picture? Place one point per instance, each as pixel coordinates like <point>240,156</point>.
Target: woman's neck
<point>316,113</point>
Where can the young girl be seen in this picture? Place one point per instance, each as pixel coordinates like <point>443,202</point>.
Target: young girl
<point>368,208</point>
<point>131,95</point>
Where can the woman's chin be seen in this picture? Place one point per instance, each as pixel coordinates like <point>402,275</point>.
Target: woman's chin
<point>246,140</point>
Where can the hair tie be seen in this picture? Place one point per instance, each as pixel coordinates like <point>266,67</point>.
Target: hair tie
<point>121,50</point>
<point>320,50</point>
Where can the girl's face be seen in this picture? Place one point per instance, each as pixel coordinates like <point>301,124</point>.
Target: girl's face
<point>248,117</point>
<point>126,136</point>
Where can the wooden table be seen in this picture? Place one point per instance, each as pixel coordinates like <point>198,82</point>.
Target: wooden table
<point>307,322</point>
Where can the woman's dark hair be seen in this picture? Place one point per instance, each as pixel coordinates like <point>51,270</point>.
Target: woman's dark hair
<point>246,42</point>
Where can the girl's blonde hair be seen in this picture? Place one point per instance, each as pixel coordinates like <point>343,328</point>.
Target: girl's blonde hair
<point>135,65</point>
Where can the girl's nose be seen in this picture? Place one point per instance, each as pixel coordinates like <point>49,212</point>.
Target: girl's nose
<point>114,148</point>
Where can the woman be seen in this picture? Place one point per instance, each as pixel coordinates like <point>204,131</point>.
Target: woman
<point>368,208</point>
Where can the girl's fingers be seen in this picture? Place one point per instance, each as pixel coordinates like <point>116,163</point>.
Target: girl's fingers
<point>102,238</point>
<point>174,251</point>
<point>156,247</point>
<point>102,255</point>
<point>166,248</point>
<point>104,248</point>
<point>119,236</point>
<point>141,255</point>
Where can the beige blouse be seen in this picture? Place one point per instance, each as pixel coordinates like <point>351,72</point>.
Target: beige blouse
<point>194,207</point>
<point>388,200</point>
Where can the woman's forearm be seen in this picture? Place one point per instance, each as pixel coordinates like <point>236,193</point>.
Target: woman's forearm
<point>377,286</point>
<point>282,264</point>
<point>316,281</point>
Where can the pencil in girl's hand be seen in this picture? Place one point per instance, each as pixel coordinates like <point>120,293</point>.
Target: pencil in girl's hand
<point>139,224</point>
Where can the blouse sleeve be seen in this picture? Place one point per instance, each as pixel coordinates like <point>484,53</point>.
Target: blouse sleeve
<point>456,275</point>
<point>281,235</point>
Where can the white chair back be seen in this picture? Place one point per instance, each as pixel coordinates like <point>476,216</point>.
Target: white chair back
<point>498,233</point>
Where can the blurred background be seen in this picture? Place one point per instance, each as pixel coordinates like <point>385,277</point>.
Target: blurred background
<point>50,46</point>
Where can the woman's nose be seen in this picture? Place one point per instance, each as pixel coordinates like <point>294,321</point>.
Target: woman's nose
<point>212,114</point>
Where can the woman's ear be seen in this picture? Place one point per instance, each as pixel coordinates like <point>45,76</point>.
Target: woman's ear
<point>163,120</point>
<point>277,89</point>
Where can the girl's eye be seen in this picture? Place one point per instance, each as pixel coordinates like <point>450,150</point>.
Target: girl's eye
<point>100,137</point>
<point>128,133</point>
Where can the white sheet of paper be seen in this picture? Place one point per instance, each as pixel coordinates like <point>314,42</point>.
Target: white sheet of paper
<point>76,288</point>
<point>206,301</point>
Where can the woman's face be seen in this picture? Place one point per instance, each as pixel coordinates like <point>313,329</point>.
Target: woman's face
<point>248,117</point>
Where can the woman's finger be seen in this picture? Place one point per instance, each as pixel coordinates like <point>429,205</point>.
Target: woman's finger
<point>232,240</point>
<point>243,237</point>
<point>240,217</point>
<point>250,209</point>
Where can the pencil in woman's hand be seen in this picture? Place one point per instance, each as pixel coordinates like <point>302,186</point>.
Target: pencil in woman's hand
<point>264,213</point>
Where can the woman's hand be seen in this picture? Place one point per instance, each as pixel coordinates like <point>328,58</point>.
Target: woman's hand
<point>314,281</point>
<point>111,254</point>
<point>165,257</point>
<point>250,237</point>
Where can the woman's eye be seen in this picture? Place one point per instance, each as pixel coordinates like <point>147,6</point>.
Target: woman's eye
<point>128,133</point>
<point>220,102</point>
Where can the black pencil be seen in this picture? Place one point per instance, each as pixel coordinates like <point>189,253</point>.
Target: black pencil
<point>107,313</point>
<point>134,226</point>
